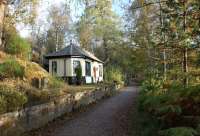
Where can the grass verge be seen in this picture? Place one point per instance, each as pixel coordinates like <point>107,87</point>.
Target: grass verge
<point>142,124</point>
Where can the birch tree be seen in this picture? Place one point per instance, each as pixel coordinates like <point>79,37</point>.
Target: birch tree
<point>58,26</point>
<point>17,12</point>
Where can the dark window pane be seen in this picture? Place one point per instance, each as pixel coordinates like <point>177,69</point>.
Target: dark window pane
<point>100,71</point>
<point>88,68</point>
<point>54,67</point>
<point>76,64</point>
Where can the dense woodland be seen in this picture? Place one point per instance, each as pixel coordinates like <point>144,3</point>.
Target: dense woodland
<point>156,44</point>
<point>168,35</point>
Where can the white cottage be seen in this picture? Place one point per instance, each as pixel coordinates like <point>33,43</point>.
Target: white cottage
<point>64,62</point>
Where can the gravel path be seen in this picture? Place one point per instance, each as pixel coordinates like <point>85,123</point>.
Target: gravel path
<point>107,118</point>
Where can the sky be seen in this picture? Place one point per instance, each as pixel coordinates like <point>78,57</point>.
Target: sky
<point>75,13</point>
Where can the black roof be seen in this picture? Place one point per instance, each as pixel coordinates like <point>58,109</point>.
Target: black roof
<point>70,51</point>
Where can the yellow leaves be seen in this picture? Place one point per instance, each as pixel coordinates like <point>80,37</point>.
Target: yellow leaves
<point>85,36</point>
<point>25,11</point>
<point>3,56</point>
<point>173,26</point>
<point>3,1</point>
<point>189,29</point>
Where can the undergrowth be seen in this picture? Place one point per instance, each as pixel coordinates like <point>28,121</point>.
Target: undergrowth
<point>11,99</point>
<point>175,107</point>
<point>11,69</point>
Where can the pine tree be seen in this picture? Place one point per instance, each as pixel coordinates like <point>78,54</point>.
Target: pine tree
<point>99,23</point>
<point>181,27</point>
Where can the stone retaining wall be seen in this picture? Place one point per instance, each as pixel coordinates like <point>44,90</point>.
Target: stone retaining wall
<point>31,118</point>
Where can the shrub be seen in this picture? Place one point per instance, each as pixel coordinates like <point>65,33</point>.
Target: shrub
<point>170,104</point>
<point>159,101</point>
<point>169,109</point>
<point>11,99</point>
<point>152,102</point>
<point>56,83</point>
<point>179,131</point>
<point>36,96</point>
<point>152,85</point>
<point>18,46</point>
<point>11,68</point>
<point>151,95</point>
<point>114,75</point>
<point>146,125</point>
<point>3,104</point>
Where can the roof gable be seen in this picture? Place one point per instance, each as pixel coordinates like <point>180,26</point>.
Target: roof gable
<point>70,51</point>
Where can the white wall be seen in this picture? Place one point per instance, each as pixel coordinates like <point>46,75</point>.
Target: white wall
<point>70,70</point>
<point>60,67</point>
<point>69,67</point>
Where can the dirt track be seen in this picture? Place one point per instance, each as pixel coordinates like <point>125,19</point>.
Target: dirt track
<point>108,118</point>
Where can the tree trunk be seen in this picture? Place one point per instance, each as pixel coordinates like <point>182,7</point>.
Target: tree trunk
<point>185,55</point>
<point>162,37</point>
<point>165,64</point>
<point>185,66</point>
<point>2,13</point>
<point>106,55</point>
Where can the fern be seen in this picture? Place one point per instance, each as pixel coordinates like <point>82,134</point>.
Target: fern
<point>170,108</point>
<point>179,131</point>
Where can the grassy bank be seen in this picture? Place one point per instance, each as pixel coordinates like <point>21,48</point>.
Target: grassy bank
<point>17,89</point>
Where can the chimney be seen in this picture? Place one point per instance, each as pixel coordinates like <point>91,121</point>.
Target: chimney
<point>71,44</point>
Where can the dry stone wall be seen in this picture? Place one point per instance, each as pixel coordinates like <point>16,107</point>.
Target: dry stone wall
<point>37,116</point>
